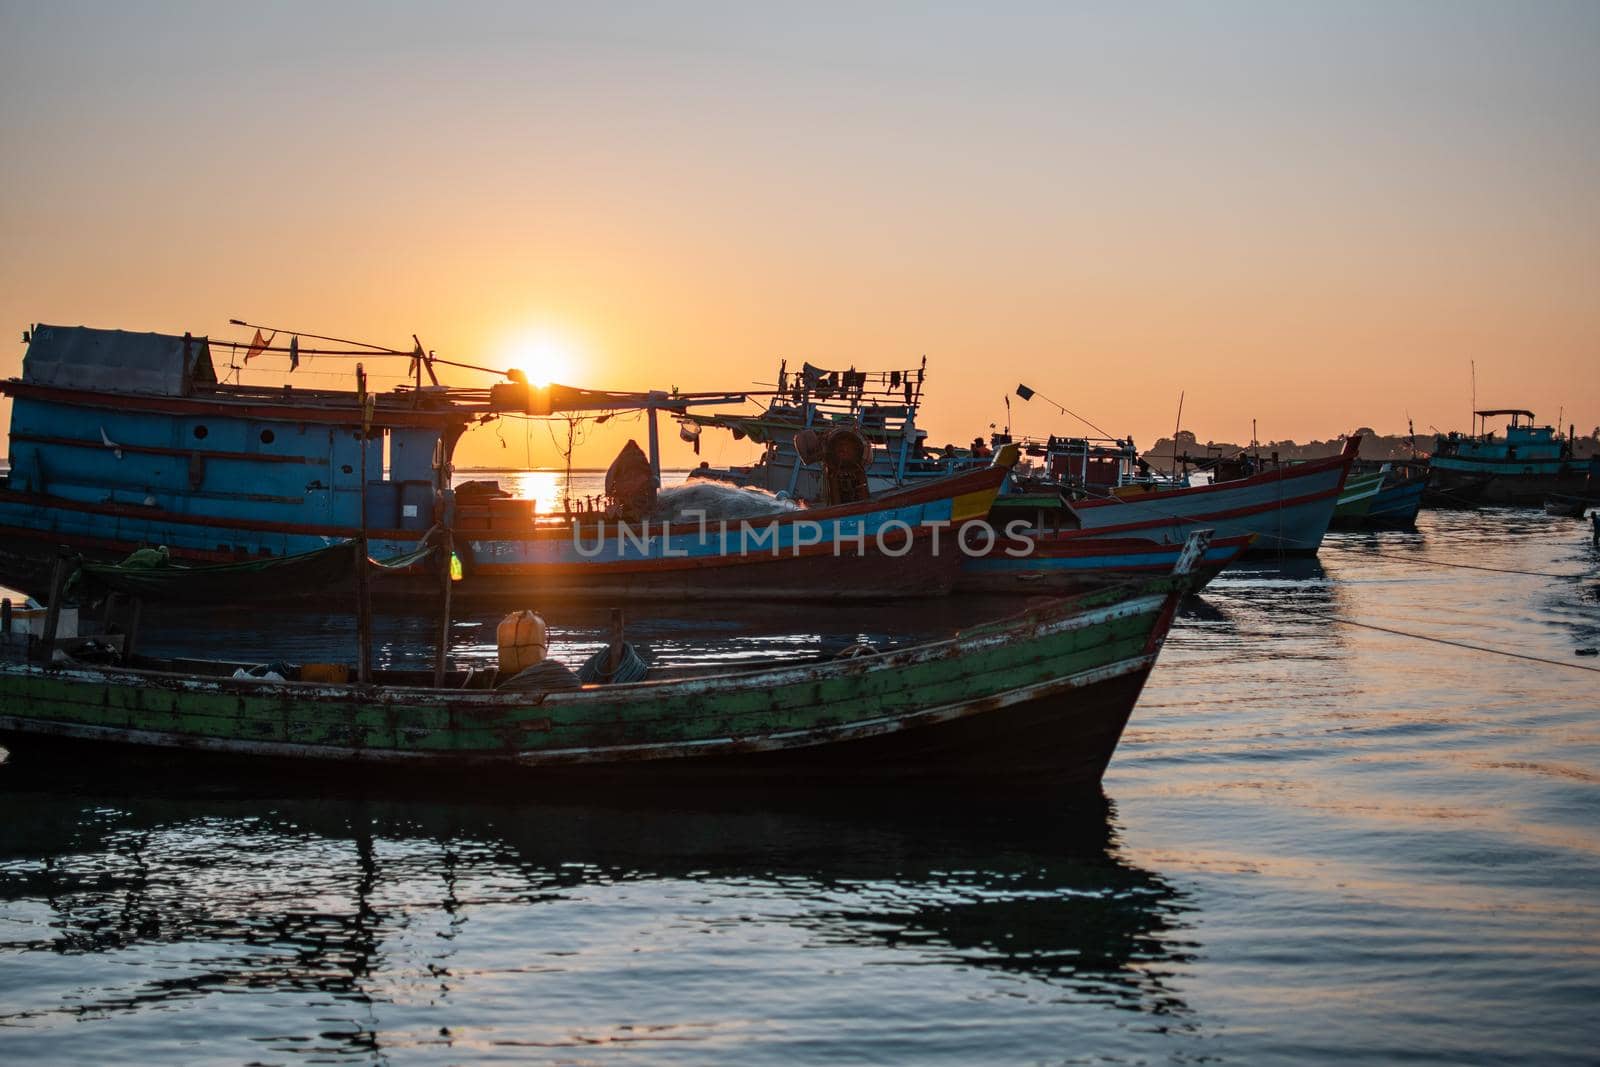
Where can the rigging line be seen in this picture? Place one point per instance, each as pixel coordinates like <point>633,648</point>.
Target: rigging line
<point>1065,411</point>
<point>319,337</point>
<point>1446,641</point>
<point>431,358</point>
<point>1463,566</point>
<point>362,352</point>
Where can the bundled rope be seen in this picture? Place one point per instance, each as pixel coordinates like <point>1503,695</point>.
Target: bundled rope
<point>632,668</point>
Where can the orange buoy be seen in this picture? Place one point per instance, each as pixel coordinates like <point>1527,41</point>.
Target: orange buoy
<point>523,640</point>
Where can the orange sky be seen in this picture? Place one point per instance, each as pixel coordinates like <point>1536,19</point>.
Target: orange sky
<point>1315,218</point>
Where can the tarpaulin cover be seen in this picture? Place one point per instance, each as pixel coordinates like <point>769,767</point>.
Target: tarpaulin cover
<point>116,361</point>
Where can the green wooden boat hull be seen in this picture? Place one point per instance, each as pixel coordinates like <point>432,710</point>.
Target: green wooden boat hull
<point>1039,697</point>
<point>1355,500</point>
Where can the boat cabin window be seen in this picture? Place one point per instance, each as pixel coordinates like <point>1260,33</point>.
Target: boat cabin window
<point>200,433</point>
<point>267,437</point>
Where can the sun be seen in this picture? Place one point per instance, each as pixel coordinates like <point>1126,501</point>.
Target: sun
<point>544,357</point>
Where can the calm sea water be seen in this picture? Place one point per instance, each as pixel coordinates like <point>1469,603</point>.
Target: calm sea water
<point>1318,843</point>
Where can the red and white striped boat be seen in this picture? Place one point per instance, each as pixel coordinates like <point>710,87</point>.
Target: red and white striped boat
<point>1287,509</point>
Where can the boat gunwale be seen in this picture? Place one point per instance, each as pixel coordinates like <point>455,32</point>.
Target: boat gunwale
<point>772,741</point>
<point>936,490</point>
<point>1283,473</point>
<point>1076,540</point>
<point>1057,616</point>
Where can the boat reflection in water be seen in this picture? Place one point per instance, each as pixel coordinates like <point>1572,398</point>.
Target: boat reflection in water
<point>410,922</point>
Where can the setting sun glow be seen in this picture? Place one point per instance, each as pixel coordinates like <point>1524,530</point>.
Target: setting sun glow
<point>544,358</point>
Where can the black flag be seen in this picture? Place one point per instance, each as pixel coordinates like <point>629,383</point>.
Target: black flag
<point>1024,392</point>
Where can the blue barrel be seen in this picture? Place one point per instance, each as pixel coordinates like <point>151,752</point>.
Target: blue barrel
<point>383,505</point>
<point>416,505</point>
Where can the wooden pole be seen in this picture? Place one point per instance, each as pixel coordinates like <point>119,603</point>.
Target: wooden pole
<point>52,615</point>
<point>130,639</point>
<point>655,446</point>
<point>614,659</point>
<point>448,548</point>
<point>363,600</point>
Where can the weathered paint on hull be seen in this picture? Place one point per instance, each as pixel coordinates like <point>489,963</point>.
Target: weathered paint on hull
<point>1081,662</point>
<point>1355,501</point>
<point>919,572</point>
<point>1287,510</point>
<point>1480,487</point>
<point>1067,562</point>
<point>786,556</point>
<point>1396,506</point>
<point>1064,741</point>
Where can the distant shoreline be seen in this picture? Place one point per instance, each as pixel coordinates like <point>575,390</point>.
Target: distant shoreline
<point>554,470</point>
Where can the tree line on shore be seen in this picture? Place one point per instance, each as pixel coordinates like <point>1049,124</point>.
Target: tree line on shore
<point>1373,446</point>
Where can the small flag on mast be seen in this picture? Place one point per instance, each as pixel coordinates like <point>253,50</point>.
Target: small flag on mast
<point>294,352</point>
<point>1024,392</point>
<point>257,346</point>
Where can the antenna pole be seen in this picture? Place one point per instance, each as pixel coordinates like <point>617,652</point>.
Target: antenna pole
<point>1176,426</point>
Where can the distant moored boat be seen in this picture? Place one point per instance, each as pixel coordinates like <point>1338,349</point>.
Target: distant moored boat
<point>1521,468</point>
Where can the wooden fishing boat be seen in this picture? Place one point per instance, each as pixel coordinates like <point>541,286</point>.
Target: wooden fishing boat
<point>1568,507</point>
<point>1059,562</point>
<point>1390,491</point>
<point>1405,486</point>
<point>1287,508</point>
<point>882,547</point>
<point>126,441</point>
<point>1520,468</point>
<point>1040,697</point>
<point>881,405</point>
<point>1360,492</point>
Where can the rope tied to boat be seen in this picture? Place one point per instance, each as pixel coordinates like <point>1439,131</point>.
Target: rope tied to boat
<point>632,668</point>
<point>1446,641</point>
<point>1467,566</point>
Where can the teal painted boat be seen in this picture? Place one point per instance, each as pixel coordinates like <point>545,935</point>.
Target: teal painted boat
<point>1039,697</point>
<point>1355,499</point>
<point>1521,467</point>
<point>1397,503</point>
<point>1391,494</point>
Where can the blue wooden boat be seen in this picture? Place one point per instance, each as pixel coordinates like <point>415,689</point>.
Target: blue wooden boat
<point>1397,504</point>
<point>123,440</point>
<point>1394,501</point>
<point>1521,468</point>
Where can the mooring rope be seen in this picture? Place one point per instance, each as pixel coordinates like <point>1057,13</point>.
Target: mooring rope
<point>1447,641</point>
<point>1463,566</point>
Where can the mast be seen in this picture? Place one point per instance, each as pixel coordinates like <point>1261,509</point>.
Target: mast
<point>363,600</point>
<point>655,439</point>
